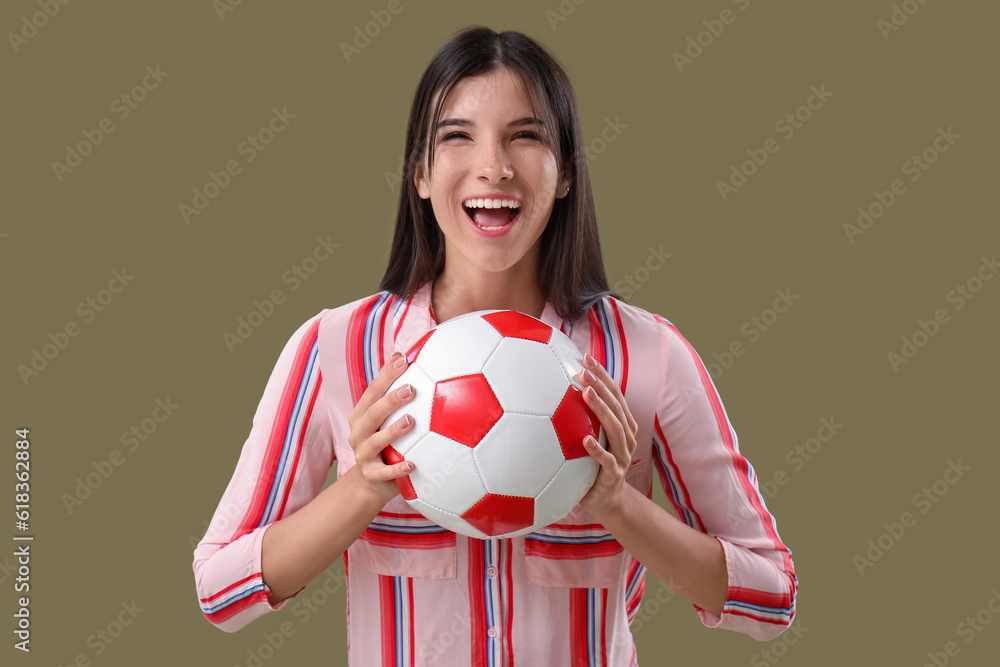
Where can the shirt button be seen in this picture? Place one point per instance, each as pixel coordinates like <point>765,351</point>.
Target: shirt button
<point>491,571</point>
<point>492,632</point>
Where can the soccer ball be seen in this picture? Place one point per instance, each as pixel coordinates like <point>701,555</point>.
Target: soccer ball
<point>500,420</point>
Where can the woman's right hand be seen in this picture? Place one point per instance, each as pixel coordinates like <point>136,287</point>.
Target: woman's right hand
<point>374,406</point>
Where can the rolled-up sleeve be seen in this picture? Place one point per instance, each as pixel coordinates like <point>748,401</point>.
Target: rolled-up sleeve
<point>283,465</point>
<point>713,488</point>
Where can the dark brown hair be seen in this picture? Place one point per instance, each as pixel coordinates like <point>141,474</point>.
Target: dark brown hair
<point>571,268</point>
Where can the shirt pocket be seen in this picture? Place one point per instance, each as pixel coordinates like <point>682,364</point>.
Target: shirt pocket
<point>577,551</point>
<point>400,542</point>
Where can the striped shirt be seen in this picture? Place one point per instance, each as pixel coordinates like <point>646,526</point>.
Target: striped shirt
<point>562,596</point>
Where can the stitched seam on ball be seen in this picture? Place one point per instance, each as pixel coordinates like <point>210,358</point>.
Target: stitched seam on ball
<point>487,360</point>
<point>478,372</point>
<point>559,362</point>
<point>530,414</point>
<point>430,403</point>
<point>442,510</point>
<point>475,462</point>
<point>552,479</point>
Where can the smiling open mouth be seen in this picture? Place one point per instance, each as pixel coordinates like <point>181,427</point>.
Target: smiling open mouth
<point>491,219</point>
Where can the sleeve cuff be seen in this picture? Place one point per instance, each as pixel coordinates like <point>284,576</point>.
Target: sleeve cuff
<point>257,551</point>
<point>708,619</point>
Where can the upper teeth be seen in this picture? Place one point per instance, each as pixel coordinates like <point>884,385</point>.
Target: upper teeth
<point>491,203</point>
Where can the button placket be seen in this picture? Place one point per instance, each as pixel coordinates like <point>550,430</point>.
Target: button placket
<point>496,608</point>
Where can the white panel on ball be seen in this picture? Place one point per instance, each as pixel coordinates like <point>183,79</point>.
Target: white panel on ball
<point>465,349</point>
<point>573,480</point>
<point>418,407</point>
<point>446,519</point>
<point>519,456</point>
<point>538,392</point>
<point>569,357</point>
<point>445,473</point>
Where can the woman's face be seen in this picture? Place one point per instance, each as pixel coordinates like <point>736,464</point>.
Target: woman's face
<point>489,145</point>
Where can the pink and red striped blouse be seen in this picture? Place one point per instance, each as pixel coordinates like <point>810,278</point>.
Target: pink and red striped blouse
<point>563,596</point>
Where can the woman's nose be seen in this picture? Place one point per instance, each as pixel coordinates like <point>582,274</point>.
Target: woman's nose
<point>494,163</point>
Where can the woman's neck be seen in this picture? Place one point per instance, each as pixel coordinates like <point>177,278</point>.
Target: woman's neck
<point>452,297</point>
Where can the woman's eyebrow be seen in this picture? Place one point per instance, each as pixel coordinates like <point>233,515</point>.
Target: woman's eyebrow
<point>462,122</point>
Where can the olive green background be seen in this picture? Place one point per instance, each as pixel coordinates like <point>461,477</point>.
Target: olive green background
<point>329,174</point>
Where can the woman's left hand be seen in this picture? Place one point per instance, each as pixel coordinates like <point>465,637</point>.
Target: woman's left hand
<point>606,400</point>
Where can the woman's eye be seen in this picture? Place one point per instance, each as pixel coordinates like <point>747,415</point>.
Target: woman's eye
<point>462,135</point>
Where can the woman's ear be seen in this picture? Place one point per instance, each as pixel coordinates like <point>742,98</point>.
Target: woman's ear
<point>421,181</point>
<point>565,182</point>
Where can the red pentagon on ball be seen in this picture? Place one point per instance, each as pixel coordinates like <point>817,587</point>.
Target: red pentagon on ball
<point>574,421</point>
<point>405,486</point>
<point>496,514</point>
<point>464,409</point>
<point>512,324</point>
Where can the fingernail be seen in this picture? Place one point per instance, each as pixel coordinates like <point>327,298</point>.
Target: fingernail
<point>407,466</point>
<point>404,422</point>
<point>590,393</point>
<point>589,377</point>
<point>399,363</point>
<point>589,360</point>
<point>404,391</point>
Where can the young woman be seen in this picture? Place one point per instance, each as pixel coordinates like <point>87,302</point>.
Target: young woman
<point>496,211</point>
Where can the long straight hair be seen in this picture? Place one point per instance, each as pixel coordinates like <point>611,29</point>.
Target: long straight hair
<point>571,267</point>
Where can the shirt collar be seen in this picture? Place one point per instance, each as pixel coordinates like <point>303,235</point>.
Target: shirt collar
<point>413,318</point>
